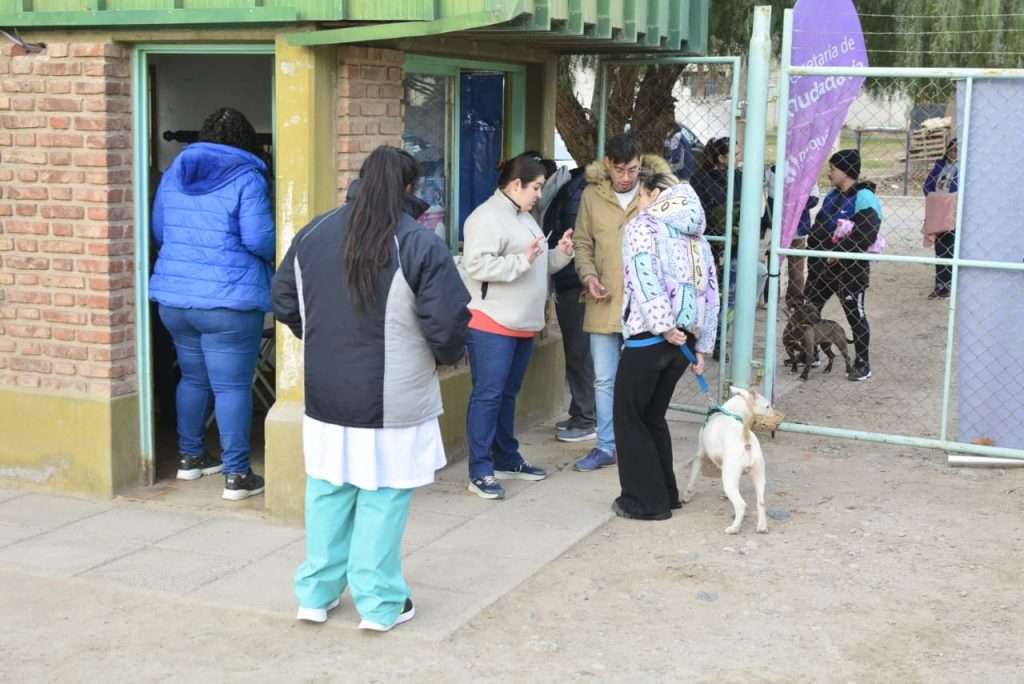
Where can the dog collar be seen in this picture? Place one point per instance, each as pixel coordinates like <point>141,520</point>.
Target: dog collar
<point>725,412</point>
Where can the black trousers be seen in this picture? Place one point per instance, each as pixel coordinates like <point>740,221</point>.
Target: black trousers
<point>852,302</point>
<point>644,384</point>
<point>944,250</point>
<point>579,367</point>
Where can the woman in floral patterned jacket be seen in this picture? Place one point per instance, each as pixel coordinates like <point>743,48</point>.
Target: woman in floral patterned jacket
<point>671,300</point>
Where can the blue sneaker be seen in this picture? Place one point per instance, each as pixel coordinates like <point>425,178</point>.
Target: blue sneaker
<point>595,460</point>
<point>487,487</point>
<point>523,471</point>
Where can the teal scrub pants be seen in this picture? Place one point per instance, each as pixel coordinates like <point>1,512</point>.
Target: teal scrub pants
<point>354,537</point>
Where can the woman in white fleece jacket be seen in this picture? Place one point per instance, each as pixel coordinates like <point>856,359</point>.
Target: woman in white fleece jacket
<point>507,265</point>
<point>671,300</point>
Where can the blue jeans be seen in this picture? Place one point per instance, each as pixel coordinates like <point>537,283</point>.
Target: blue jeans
<point>217,351</point>
<point>498,364</point>
<point>605,350</point>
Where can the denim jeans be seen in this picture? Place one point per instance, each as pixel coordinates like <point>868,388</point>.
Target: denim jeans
<point>497,364</point>
<point>605,349</point>
<point>579,369</point>
<point>217,351</point>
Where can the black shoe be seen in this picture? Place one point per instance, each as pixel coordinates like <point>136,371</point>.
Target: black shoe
<point>859,374</point>
<point>194,467</point>
<point>238,486</point>
<point>622,513</point>
<point>676,506</point>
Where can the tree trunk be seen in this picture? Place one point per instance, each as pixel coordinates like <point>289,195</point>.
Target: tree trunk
<point>639,99</point>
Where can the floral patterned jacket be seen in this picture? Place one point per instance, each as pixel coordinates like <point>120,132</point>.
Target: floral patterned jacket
<point>669,271</point>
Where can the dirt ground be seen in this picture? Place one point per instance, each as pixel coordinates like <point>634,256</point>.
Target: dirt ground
<point>888,566</point>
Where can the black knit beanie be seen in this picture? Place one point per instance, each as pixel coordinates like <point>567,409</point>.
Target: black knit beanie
<point>847,161</point>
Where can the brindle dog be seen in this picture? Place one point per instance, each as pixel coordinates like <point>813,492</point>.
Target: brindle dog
<point>807,331</point>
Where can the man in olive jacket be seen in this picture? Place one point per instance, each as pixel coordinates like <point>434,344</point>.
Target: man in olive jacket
<point>608,203</point>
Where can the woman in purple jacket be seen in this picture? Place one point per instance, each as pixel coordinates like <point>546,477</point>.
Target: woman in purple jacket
<point>214,224</point>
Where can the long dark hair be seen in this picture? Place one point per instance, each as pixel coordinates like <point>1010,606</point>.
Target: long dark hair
<point>376,211</point>
<point>228,126</point>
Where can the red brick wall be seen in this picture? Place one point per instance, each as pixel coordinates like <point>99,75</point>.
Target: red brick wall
<point>369,106</point>
<point>66,229</point>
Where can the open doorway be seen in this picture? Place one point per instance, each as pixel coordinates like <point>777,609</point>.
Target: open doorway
<point>181,90</point>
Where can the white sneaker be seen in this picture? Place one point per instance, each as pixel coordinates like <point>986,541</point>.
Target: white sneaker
<point>408,613</point>
<point>318,615</point>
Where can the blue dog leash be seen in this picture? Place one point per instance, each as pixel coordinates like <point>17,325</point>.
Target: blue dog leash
<point>687,352</point>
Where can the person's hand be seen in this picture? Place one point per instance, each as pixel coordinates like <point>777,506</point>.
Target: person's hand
<point>536,248</point>
<point>596,289</point>
<point>698,368</point>
<point>565,244</point>
<point>675,336</point>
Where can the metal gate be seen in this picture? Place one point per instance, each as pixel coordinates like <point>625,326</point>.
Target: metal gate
<point>942,378</point>
<point>696,102</point>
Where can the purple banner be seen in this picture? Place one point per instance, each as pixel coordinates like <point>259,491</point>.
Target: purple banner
<point>825,33</point>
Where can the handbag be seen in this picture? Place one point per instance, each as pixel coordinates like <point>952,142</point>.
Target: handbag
<point>939,215</point>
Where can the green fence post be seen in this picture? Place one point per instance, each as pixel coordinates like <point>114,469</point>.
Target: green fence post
<point>758,70</point>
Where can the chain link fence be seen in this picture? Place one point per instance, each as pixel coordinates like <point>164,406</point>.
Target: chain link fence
<point>920,348</point>
<point>686,111</point>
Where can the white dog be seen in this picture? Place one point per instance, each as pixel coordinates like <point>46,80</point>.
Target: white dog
<point>727,441</point>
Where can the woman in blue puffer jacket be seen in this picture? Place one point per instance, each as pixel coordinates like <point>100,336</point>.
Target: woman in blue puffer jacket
<point>214,224</point>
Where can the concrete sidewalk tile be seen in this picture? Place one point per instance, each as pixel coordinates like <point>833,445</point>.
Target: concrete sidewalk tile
<point>264,585</point>
<point>458,502</point>
<point>48,510</point>
<point>439,613</point>
<point>425,527</point>
<point>165,570</point>
<point>239,539</point>
<point>13,533</point>
<point>8,494</point>
<point>63,553</point>
<point>134,522</point>
<point>462,569</point>
<point>521,542</point>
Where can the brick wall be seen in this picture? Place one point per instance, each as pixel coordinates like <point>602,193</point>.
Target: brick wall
<point>66,230</point>
<point>369,106</point>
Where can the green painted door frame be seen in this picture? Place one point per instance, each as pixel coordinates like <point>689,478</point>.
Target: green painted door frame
<point>140,183</point>
<point>515,115</point>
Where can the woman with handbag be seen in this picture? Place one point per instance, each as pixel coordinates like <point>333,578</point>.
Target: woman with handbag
<point>939,228</point>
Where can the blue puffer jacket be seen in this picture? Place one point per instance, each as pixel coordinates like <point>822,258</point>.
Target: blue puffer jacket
<point>215,227</point>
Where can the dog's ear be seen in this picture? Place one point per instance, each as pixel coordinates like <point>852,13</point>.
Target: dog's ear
<point>739,391</point>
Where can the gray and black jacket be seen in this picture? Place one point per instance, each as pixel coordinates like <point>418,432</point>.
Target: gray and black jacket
<point>372,368</point>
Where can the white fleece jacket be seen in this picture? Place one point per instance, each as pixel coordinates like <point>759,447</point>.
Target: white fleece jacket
<point>502,282</point>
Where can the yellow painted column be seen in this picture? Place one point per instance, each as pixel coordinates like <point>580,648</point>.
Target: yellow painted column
<point>306,186</point>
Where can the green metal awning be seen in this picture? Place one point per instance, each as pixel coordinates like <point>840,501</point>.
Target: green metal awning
<point>564,25</point>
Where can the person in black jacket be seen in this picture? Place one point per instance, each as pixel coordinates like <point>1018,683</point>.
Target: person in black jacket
<point>569,307</point>
<point>854,202</point>
<point>379,305</point>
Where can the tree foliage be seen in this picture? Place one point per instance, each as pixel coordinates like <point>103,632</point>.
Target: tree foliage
<point>915,33</point>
